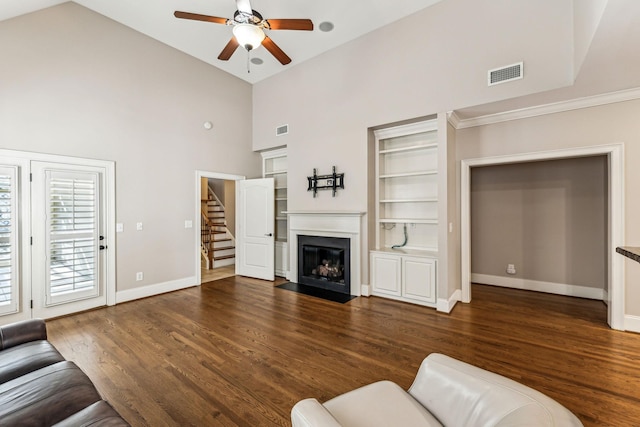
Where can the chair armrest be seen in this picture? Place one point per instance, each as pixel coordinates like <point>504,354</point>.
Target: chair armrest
<point>18,333</point>
<point>310,412</point>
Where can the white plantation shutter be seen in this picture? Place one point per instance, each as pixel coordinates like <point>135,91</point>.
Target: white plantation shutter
<point>72,230</point>
<point>9,253</point>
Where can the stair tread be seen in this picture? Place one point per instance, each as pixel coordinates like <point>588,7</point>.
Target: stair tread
<point>218,258</point>
<point>223,248</point>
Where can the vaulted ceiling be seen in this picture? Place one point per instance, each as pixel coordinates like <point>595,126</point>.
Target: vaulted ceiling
<point>606,36</point>
<point>205,40</point>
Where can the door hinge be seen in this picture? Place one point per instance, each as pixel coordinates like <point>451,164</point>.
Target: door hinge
<point>30,177</point>
<point>31,240</point>
<point>31,304</point>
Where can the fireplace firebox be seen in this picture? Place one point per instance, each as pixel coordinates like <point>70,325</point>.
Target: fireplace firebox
<point>324,262</point>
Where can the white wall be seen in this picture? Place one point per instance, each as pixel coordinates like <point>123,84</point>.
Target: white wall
<point>75,83</point>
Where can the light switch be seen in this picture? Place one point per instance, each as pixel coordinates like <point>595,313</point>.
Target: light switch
<point>119,227</point>
<point>139,226</point>
<point>188,224</point>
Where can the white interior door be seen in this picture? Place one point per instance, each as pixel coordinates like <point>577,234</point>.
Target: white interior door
<point>68,239</point>
<point>255,224</point>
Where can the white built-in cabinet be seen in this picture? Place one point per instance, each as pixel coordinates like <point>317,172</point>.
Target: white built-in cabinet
<point>274,165</point>
<point>404,260</point>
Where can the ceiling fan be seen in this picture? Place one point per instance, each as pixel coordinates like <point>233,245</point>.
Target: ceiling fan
<point>248,30</point>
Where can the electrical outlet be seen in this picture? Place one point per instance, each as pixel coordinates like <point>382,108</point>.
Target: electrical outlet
<point>511,269</point>
<point>139,276</point>
<point>139,226</point>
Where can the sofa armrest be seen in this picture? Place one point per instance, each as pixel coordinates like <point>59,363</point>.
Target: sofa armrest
<point>18,333</point>
<point>310,412</point>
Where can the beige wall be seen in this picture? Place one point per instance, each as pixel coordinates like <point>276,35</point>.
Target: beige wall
<point>77,84</point>
<point>613,123</point>
<point>548,218</point>
<point>409,69</point>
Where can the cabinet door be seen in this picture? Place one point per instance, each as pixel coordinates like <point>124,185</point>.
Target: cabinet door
<point>419,279</point>
<point>385,277</point>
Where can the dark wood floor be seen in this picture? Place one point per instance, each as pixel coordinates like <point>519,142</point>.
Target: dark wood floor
<point>239,352</point>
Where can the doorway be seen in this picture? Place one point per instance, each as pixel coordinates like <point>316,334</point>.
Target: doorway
<point>215,225</point>
<point>614,292</point>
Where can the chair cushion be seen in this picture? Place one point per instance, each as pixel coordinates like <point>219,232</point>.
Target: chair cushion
<point>46,396</point>
<point>25,358</point>
<point>100,414</point>
<point>379,404</point>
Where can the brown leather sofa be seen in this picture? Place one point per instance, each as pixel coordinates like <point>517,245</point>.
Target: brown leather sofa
<point>38,387</point>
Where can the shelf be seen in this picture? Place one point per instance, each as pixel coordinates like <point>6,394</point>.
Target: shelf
<point>426,200</point>
<point>279,199</point>
<point>408,221</point>
<point>281,218</point>
<point>275,173</point>
<point>406,174</point>
<point>410,148</point>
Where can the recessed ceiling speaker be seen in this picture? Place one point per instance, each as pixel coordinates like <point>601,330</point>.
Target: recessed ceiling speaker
<point>505,74</point>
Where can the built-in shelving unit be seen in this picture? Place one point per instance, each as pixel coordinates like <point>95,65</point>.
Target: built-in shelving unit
<point>407,186</point>
<point>403,263</point>
<point>274,165</point>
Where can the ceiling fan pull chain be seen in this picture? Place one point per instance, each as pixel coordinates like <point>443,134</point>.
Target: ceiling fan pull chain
<point>248,62</point>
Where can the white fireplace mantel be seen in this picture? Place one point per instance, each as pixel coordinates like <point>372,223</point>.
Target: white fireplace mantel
<point>345,224</point>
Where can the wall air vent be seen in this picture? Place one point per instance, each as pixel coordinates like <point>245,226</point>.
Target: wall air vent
<point>282,130</point>
<point>505,74</point>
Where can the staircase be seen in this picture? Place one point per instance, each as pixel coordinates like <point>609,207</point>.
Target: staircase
<point>217,245</point>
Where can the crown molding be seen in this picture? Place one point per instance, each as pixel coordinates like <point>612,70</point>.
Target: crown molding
<point>541,110</point>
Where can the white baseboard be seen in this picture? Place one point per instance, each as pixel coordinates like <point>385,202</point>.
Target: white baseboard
<point>538,286</point>
<point>446,305</point>
<point>632,323</point>
<point>156,289</point>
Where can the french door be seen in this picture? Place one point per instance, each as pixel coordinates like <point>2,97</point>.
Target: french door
<point>54,231</point>
<point>67,262</point>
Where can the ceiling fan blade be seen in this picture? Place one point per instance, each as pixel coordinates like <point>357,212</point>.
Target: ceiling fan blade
<point>276,51</point>
<point>290,24</point>
<point>228,49</point>
<point>244,6</point>
<point>198,17</point>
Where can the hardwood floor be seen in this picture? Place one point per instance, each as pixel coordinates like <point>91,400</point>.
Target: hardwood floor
<point>209,275</point>
<point>239,352</point>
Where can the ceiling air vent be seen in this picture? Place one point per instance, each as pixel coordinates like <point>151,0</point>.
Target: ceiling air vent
<point>505,74</point>
<point>282,130</point>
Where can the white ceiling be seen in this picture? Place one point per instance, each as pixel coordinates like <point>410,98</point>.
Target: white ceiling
<point>204,40</point>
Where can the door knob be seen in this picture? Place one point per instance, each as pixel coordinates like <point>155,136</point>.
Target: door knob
<point>269,234</point>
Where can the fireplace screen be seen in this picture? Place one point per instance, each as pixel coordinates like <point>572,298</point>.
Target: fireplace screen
<point>324,262</point>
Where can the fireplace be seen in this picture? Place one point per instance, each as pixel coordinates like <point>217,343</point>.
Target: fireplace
<point>325,262</point>
<point>348,225</point>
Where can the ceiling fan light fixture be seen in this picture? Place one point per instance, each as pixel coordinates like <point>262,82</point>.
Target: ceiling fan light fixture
<point>248,36</point>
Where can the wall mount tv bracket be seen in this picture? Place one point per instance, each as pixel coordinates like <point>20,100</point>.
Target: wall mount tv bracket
<point>332,182</point>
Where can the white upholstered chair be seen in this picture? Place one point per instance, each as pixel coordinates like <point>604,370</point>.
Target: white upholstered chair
<point>445,392</point>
